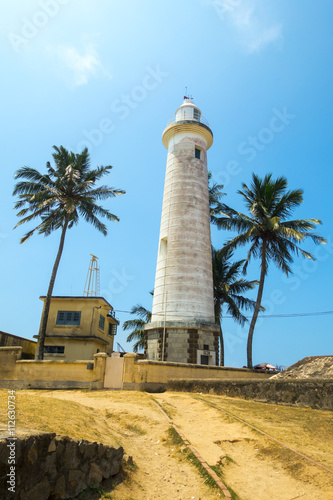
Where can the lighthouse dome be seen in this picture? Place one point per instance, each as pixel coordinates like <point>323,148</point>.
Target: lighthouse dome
<point>188,111</point>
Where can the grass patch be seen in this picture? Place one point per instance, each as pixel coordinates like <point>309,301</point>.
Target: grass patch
<point>291,462</point>
<point>203,473</point>
<point>136,429</point>
<point>184,452</point>
<point>127,421</point>
<point>218,472</point>
<point>45,414</point>
<point>174,438</point>
<point>170,411</point>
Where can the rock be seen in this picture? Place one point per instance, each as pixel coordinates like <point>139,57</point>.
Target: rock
<point>52,446</point>
<point>49,466</point>
<point>71,459</point>
<point>88,450</point>
<point>101,449</point>
<point>57,466</point>
<point>106,467</point>
<point>60,486</point>
<point>40,491</point>
<point>76,483</point>
<point>95,474</point>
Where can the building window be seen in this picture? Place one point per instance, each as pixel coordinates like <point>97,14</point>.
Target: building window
<point>112,329</point>
<point>197,153</point>
<point>68,318</point>
<point>206,347</point>
<point>204,360</point>
<point>101,322</point>
<point>54,349</point>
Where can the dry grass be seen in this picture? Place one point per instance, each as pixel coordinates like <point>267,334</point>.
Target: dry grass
<point>34,411</point>
<point>116,418</point>
<point>303,429</point>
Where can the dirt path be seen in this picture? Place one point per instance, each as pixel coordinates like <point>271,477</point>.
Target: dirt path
<point>252,465</point>
<point>222,440</point>
<point>159,474</point>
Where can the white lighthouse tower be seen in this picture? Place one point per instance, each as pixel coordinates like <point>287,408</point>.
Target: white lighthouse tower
<point>183,328</point>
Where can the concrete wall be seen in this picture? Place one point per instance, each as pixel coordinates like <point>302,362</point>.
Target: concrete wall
<point>313,393</point>
<point>145,375</point>
<point>8,358</point>
<point>20,374</point>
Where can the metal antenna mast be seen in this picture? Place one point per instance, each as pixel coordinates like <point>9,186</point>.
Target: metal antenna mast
<point>92,285</point>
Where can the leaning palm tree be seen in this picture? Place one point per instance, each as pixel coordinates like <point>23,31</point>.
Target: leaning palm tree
<point>268,230</point>
<point>228,291</point>
<point>137,327</point>
<point>59,198</point>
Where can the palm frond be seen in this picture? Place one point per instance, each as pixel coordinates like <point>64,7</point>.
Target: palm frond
<point>65,192</point>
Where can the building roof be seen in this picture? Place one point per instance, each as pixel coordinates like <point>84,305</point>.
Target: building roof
<point>81,297</point>
<point>17,337</point>
<point>87,338</point>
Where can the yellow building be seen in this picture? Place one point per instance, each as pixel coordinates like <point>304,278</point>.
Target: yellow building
<point>79,327</point>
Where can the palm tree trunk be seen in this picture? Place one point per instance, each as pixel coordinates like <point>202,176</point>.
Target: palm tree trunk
<point>258,304</point>
<point>41,339</point>
<point>221,347</point>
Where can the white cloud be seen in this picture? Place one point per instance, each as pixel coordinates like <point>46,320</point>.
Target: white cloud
<point>242,16</point>
<point>80,67</point>
<point>250,20</point>
<point>264,38</point>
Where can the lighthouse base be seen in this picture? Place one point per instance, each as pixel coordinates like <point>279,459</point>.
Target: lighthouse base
<point>195,342</point>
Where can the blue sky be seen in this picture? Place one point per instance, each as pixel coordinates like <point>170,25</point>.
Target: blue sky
<point>108,75</point>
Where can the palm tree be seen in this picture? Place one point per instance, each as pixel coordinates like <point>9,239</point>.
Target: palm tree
<point>215,194</point>
<point>272,237</point>
<point>228,290</point>
<point>59,198</point>
<point>137,326</point>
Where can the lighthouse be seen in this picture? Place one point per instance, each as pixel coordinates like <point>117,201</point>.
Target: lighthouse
<point>182,327</point>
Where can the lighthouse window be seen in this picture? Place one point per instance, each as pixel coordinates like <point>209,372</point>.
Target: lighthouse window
<point>196,114</point>
<point>197,153</point>
<point>163,247</point>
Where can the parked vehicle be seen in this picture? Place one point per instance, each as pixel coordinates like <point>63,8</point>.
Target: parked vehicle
<point>264,366</point>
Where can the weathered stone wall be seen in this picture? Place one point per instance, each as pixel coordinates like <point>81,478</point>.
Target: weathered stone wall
<point>314,393</point>
<point>57,467</point>
<point>183,341</point>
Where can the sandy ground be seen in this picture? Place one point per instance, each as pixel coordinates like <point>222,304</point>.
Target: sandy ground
<point>219,439</point>
<point>160,474</point>
<point>217,436</point>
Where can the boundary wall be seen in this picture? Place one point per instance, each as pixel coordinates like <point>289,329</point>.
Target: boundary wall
<point>148,375</point>
<point>16,373</point>
<point>308,393</point>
